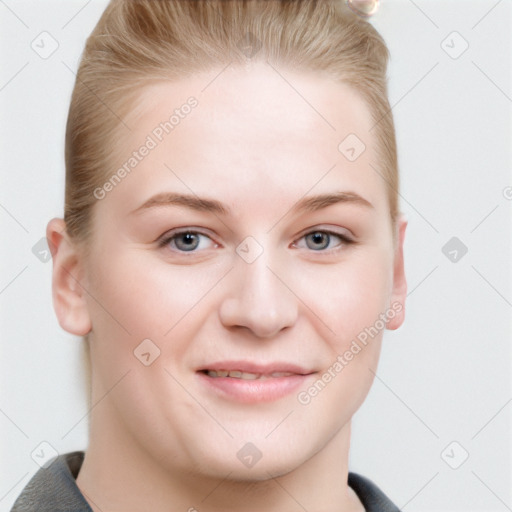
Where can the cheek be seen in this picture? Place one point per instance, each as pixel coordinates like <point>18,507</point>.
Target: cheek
<point>139,296</point>
<point>350,302</point>
<point>350,296</point>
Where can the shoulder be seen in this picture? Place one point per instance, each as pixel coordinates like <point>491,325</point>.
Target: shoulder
<point>53,488</point>
<point>372,498</point>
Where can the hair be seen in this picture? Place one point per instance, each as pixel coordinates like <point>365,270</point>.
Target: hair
<point>139,42</point>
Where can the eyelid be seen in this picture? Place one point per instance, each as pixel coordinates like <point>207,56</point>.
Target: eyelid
<point>341,232</point>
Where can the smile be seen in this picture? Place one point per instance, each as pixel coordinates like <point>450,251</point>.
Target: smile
<point>248,382</point>
<point>238,374</point>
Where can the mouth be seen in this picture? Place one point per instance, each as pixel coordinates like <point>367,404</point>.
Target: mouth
<point>239,374</point>
<point>247,382</point>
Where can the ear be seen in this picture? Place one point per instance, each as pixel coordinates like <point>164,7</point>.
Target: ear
<point>69,297</point>
<point>399,291</point>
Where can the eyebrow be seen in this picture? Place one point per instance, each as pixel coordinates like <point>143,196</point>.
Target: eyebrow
<point>311,203</point>
<point>189,201</point>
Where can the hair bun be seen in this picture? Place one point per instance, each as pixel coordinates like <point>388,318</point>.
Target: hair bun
<point>363,8</point>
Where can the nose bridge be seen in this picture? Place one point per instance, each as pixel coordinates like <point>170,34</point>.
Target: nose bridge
<point>260,286</point>
<point>257,299</point>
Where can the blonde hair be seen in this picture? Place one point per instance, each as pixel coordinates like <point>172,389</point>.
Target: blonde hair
<point>137,42</point>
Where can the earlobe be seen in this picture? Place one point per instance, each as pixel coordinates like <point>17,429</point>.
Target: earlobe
<point>399,291</point>
<point>69,296</point>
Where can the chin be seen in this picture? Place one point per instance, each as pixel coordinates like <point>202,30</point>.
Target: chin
<point>260,472</point>
<point>249,463</point>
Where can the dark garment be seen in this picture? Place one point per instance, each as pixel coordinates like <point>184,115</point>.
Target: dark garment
<point>372,498</point>
<point>53,489</point>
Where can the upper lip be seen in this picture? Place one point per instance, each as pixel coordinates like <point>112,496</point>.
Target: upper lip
<point>258,368</point>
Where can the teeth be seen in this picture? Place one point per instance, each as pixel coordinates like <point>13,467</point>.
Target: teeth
<point>220,373</point>
<point>245,375</point>
<point>237,374</point>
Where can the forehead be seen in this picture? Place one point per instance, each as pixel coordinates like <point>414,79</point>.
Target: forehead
<point>260,99</point>
<point>252,128</point>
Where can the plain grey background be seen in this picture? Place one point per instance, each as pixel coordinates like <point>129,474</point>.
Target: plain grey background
<point>435,431</point>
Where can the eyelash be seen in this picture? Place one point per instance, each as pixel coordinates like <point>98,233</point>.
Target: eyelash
<point>344,240</point>
<point>168,238</point>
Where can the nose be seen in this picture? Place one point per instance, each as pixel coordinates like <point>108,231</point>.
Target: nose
<point>257,299</point>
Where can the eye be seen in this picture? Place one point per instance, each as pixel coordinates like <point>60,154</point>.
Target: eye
<point>187,241</point>
<point>321,240</point>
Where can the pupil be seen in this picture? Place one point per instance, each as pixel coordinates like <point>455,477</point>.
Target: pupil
<point>319,239</point>
<point>187,241</point>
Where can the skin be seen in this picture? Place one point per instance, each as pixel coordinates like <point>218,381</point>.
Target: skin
<point>159,438</point>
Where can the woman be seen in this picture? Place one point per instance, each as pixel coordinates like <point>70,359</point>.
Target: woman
<point>231,250</point>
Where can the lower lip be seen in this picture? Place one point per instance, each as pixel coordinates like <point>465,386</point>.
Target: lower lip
<point>257,390</point>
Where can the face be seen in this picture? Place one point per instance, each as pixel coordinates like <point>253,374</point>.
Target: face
<point>250,254</point>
